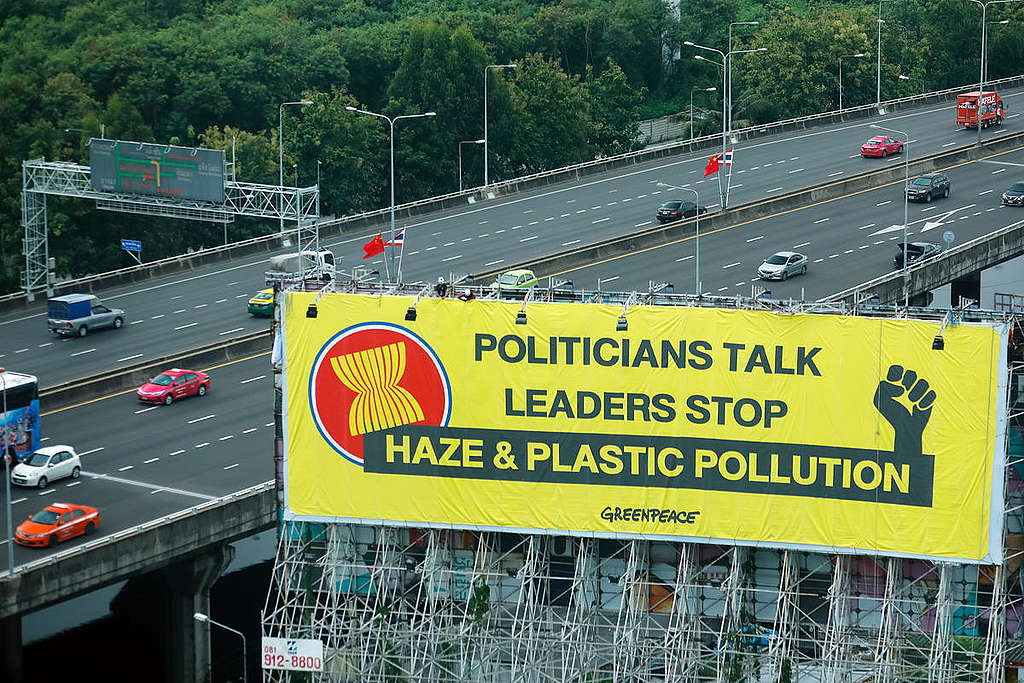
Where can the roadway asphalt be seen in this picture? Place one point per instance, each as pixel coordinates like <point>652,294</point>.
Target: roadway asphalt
<point>171,314</point>
<point>848,240</point>
<point>141,462</point>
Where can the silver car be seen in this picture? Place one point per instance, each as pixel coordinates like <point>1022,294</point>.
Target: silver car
<point>781,265</point>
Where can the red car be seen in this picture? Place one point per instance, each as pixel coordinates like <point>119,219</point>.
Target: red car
<point>173,384</point>
<point>57,522</point>
<point>881,146</point>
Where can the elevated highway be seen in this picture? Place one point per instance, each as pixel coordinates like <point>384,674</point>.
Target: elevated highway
<point>208,304</point>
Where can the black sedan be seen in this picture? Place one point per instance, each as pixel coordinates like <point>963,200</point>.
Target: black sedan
<point>927,187</point>
<point>1014,195</point>
<point>675,209</point>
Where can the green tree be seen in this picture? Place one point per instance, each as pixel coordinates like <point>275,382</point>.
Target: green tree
<point>615,111</point>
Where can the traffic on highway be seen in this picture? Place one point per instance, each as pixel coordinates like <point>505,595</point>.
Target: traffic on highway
<point>142,453</point>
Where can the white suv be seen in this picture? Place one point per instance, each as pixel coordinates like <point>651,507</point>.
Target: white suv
<point>46,465</point>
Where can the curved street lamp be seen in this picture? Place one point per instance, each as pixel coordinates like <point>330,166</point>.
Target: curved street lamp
<point>841,58</point>
<point>711,89</point>
<point>391,122</point>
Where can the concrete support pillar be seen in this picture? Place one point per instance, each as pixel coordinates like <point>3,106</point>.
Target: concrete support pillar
<point>968,287</point>
<point>922,300</point>
<point>165,601</point>
<point>10,649</point>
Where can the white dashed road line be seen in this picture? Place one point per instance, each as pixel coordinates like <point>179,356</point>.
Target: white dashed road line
<point>250,430</point>
<point>145,410</point>
<point>237,329</point>
<point>252,379</point>
<point>79,353</point>
<point>91,451</point>
<point>229,467</point>
<point>132,357</point>
<point>177,452</point>
<point>200,419</point>
<point>182,327</point>
<point>146,462</point>
<point>730,265</point>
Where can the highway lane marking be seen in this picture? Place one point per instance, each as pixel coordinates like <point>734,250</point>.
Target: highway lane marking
<point>145,410</point>
<point>467,239</point>
<point>985,192</point>
<point>533,222</point>
<point>452,258</point>
<point>754,239</point>
<point>252,379</point>
<point>79,353</point>
<point>877,242</point>
<point>853,156</point>
<point>528,211</point>
<point>125,468</point>
<point>527,239</point>
<point>483,235</point>
<point>565,215</point>
<point>848,251</point>
<point>231,466</point>
<point>949,144</point>
<point>431,248</point>
<point>132,482</point>
<point>232,284</point>
<point>802,244</point>
<point>998,170</point>
<point>822,220</point>
<point>200,305</point>
<point>202,445</point>
<point>225,438</point>
<point>200,419</point>
<point>795,170</point>
<point>156,317</point>
<point>887,201</point>
<point>685,258</point>
<point>600,220</point>
<point>516,227</point>
<point>232,331</point>
<point>730,265</point>
<point>146,462</point>
<point>594,208</point>
<point>818,260</point>
<point>45,345</point>
<point>864,246</point>
<point>19,500</point>
<point>250,430</point>
<point>722,289</point>
<point>774,189</point>
<point>180,296</point>
<point>640,225</point>
<point>74,483</point>
<point>569,244</point>
<point>738,284</point>
<point>46,492</point>
<point>1002,163</point>
<point>181,310</point>
<point>833,255</point>
<point>136,322</point>
<point>448,244</point>
<point>833,175</point>
<point>177,452</point>
<point>220,301</point>
<point>24,350</point>
<point>930,208</point>
<point>494,263</point>
<point>182,327</point>
<point>137,355</point>
<point>549,218</point>
<point>241,296</point>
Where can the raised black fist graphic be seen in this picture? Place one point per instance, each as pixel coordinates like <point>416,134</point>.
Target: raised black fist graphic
<point>908,424</point>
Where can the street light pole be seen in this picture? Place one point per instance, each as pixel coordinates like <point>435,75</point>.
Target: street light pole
<point>7,482</point>
<point>841,58</point>
<point>729,79</point>
<point>391,122</point>
<point>461,143</point>
<point>696,242</point>
<point>991,23</point>
<point>906,200</point>
<point>878,53</point>
<point>280,159</point>
<point>984,47</point>
<point>725,60</point>
<point>487,180</point>
<point>711,89</point>
<point>203,619</point>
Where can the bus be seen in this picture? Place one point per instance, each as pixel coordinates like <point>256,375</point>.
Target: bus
<point>19,415</point>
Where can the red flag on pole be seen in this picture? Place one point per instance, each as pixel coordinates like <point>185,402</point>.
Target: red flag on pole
<point>712,166</point>
<point>373,247</point>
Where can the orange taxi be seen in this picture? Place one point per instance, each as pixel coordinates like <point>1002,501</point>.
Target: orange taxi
<point>57,522</point>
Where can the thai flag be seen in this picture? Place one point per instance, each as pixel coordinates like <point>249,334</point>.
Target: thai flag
<point>728,158</point>
<point>399,239</point>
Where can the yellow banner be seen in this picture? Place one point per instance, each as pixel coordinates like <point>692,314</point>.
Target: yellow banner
<point>812,431</point>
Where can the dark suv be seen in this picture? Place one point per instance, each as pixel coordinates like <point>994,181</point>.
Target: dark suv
<point>927,187</point>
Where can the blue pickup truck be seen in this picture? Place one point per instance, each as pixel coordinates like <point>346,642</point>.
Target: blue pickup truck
<point>77,314</point>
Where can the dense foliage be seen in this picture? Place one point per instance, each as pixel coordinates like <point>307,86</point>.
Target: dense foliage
<point>214,73</point>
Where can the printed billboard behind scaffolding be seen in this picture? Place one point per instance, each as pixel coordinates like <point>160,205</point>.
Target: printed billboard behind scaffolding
<point>818,432</point>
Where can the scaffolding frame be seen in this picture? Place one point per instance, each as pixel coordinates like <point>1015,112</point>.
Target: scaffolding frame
<point>396,603</point>
<point>40,178</point>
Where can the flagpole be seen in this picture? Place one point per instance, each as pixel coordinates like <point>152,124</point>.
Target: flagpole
<point>387,271</point>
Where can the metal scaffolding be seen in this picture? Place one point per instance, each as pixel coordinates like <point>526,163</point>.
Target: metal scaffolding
<point>394,603</point>
<point>59,178</point>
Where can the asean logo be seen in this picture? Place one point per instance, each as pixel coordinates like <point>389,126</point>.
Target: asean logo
<point>375,376</point>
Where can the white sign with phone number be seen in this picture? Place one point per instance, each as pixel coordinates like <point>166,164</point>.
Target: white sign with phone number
<point>293,654</point>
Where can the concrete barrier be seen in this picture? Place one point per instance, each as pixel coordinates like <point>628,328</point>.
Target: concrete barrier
<point>131,377</point>
<point>664,234</point>
<point>150,546</point>
<point>348,224</point>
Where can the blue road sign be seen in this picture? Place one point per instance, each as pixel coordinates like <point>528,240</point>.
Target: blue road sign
<point>131,245</point>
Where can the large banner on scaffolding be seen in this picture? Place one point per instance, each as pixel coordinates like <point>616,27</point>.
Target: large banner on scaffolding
<point>817,432</point>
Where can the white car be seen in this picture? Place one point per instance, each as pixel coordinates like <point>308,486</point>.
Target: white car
<point>782,265</point>
<point>46,465</point>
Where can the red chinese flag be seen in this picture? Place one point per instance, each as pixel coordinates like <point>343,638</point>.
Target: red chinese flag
<point>373,247</point>
<point>712,166</point>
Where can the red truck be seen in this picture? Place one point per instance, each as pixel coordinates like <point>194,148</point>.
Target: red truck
<point>967,109</point>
